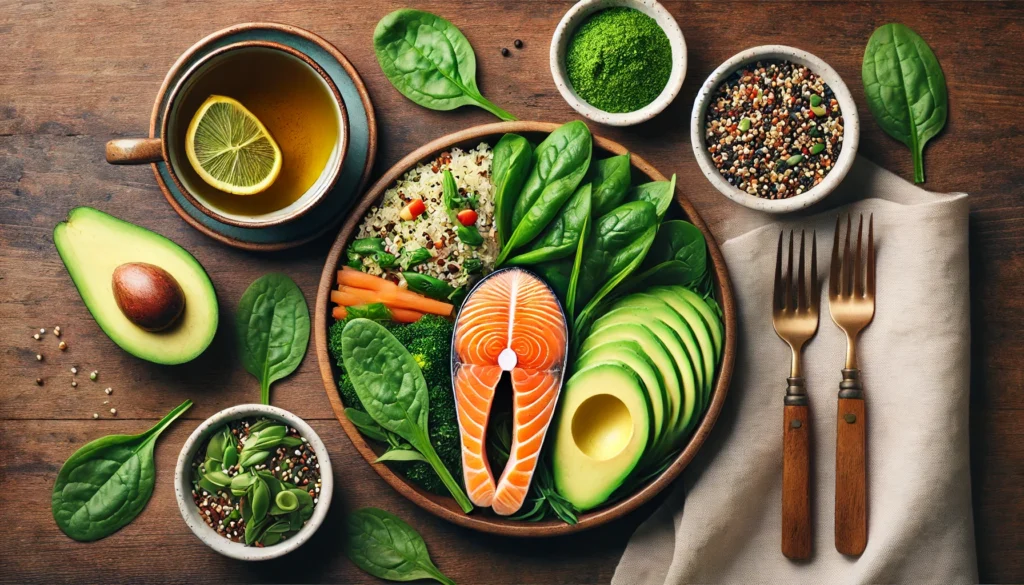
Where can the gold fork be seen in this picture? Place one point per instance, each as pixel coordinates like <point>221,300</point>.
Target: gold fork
<point>851,300</point>
<point>795,316</point>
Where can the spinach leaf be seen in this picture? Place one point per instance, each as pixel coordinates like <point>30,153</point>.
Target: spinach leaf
<point>467,234</point>
<point>273,329</point>
<point>105,484</point>
<point>556,273</point>
<point>609,248</point>
<point>414,258</point>
<point>559,239</point>
<point>657,193</point>
<point>905,88</point>
<point>679,247</point>
<point>401,455</point>
<point>391,387</point>
<point>611,180</point>
<point>429,61</point>
<point>512,157</point>
<point>561,163</point>
<point>375,311</point>
<point>384,546</point>
<point>428,286</point>
<point>366,425</point>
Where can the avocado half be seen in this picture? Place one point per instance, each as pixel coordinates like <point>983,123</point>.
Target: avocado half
<point>92,244</point>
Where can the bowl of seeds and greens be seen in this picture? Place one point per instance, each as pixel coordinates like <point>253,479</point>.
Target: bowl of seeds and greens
<point>775,129</point>
<point>253,482</point>
<point>618,62</point>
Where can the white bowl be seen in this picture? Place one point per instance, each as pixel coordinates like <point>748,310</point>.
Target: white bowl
<point>190,512</point>
<point>851,129</point>
<point>563,34</point>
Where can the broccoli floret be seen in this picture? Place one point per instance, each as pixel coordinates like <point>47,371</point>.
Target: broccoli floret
<point>429,342</point>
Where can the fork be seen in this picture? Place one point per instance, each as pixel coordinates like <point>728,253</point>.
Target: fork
<point>851,301</point>
<point>795,317</point>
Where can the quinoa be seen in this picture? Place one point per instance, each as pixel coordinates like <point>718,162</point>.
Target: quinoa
<point>774,129</point>
<point>433,229</point>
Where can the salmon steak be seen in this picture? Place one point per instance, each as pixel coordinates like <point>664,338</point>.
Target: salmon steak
<point>510,322</point>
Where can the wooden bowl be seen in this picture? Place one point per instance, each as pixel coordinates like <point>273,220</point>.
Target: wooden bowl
<point>443,506</point>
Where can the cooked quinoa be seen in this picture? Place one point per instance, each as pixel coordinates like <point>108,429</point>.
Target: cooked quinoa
<point>433,229</point>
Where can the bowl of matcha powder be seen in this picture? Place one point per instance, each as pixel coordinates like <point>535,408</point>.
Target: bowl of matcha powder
<point>618,62</point>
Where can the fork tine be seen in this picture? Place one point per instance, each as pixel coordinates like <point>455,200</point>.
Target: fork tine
<point>801,288</point>
<point>790,300</point>
<point>778,296</point>
<point>846,287</point>
<point>858,269</point>
<point>833,269</point>
<point>814,291</point>
<point>871,257</point>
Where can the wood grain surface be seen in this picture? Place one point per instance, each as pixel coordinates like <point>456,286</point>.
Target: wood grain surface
<point>74,75</point>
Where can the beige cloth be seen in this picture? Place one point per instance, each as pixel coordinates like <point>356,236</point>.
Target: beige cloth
<point>721,524</point>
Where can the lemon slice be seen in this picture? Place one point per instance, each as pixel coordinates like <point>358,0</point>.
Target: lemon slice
<point>231,149</point>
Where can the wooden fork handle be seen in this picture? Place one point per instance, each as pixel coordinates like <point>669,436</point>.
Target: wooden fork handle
<point>851,467</point>
<point>796,473</point>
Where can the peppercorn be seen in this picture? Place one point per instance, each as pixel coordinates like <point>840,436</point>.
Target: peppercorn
<point>504,52</point>
<point>518,44</point>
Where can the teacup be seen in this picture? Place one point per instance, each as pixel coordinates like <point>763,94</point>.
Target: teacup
<point>289,93</point>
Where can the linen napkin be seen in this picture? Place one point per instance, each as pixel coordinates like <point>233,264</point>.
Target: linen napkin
<point>721,523</point>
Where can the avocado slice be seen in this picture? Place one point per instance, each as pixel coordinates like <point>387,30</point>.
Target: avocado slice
<point>671,330</point>
<point>630,355</point>
<point>710,317</point>
<point>93,244</point>
<point>604,425</point>
<point>651,347</point>
<point>701,331</point>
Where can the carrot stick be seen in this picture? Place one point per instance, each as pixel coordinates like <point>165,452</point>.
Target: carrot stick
<point>348,299</point>
<point>396,299</point>
<point>339,313</point>
<point>348,276</point>
<point>405,315</point>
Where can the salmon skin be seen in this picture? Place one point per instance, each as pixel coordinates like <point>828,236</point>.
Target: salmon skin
<point>510,322</point>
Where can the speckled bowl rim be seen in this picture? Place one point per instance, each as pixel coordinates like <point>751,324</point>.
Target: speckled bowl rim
<point>851,129</point>
<point>560,42</point>
<point>190,513</point>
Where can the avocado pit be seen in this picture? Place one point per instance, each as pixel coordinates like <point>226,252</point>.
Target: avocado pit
<point>148,295</point>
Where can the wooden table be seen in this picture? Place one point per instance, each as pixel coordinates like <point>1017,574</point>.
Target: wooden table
<point>74,75</point>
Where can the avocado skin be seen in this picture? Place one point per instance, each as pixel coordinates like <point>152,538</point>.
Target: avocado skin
<point>92,244</point>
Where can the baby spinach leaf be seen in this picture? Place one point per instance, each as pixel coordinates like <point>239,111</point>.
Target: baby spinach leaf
<point>561,162</point>
<point>512,157</point>
<point>375,311</point>
<point>905,88</point>
<point>678,256</point>
<point>607,249</point>
<point>384,546</point>
<point>429,61</point>
<point>611,180</point>
<point>105,484</point>
<point>556,273</point>
<point>401,455</point>
<point>559,239</point>
<point>391,387</point>
<point>657,193</point>
<point>273,329</point>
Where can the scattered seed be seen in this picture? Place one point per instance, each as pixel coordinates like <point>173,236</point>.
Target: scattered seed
<point>42,331</point>
<point>74,370</point>
<point>109,391</point>
<point>36,336</point>
<point>39,381</point>
<point>113,411</point>
<point>95,415</point>
<point>62,346</point>
<point>504,52</point>
<point>93,375</point>
<point>39,357</point>
<point>74,384</point>
<point>56,331</point>
<point>518,44</point>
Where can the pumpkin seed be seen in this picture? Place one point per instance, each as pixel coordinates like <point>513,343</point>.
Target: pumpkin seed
<point>744,124</point>
<point>794,160</point>
<point>817,148</point>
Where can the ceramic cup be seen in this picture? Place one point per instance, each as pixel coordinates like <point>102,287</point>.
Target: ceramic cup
<point>169,146</point>
<point>190,512</point>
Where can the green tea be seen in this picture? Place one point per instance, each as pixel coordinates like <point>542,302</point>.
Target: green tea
<point>294,103</point>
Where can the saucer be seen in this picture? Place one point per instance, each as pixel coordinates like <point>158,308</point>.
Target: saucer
<point>355,169</point>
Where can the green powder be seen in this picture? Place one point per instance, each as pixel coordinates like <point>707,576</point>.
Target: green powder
<point>619,60</point>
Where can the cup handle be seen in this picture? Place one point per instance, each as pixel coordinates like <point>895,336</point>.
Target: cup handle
<point>135,151</point>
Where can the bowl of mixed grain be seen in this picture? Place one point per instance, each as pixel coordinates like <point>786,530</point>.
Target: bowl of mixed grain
<point>253,482</point>
<point>775,129</point>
